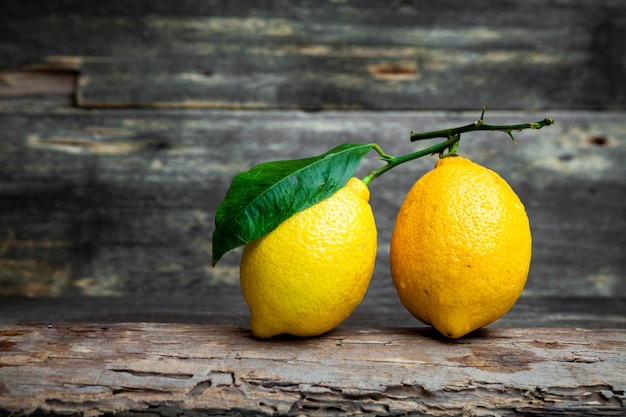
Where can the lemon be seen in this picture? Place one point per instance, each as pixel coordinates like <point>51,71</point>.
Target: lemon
<point>307,276</point>
<point>461,247</point>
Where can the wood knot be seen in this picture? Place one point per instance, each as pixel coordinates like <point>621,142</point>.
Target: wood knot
<point>394,72</point>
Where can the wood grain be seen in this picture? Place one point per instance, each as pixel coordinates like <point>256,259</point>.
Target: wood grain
<point>119,200</point>
<point>122,202</point>
<point>328,54</point>
<point>134,369</point>
<point>122,125</point>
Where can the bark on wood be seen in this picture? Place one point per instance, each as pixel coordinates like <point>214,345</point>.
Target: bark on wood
<point>161,369</point>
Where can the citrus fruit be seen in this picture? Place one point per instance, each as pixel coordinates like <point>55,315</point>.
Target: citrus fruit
<point>461,247</point>
<point>307,276</point>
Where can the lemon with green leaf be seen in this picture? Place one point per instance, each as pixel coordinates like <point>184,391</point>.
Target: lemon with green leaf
<point>310,240</point>
<point>309,274</point>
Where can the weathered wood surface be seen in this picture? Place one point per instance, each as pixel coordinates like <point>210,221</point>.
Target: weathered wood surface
<point>198,370</point>
<point>113,202</point>
<point>325,54</point>
<point>122,202</point>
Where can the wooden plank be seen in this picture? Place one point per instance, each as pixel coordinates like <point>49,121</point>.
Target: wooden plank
<point>226,306</point>
<point>122,203</point>
<point>329,55</point>
<point>164,369</point>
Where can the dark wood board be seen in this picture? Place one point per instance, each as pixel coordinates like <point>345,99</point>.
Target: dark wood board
<point>226,306</point>
<point>122,202</point>
<point>325,54</point>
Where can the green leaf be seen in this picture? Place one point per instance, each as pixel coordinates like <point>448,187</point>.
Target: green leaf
<point>260,199</point>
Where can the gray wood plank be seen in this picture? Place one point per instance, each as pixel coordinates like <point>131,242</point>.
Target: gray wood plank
<point>226,306</point>
<point>328,55</point>
<point>122,202</point>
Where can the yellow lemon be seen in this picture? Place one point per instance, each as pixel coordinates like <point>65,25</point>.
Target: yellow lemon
<point>307,276</point>
<point>461,247</point>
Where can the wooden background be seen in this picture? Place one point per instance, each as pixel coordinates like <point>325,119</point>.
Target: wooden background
<point>123,123</point>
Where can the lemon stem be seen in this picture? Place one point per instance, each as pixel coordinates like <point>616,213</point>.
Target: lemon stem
<point>394,161</point>
<point>453,136</point>
<point>480,125</point>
